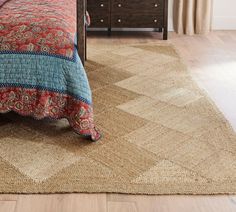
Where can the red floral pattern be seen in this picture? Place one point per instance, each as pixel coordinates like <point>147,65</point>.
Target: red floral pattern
<point>41,104</point>
<point>46,26</point>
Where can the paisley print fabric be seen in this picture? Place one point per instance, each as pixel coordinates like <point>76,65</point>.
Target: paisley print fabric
<point>41,74</point>
<point>42,104</point>
<point>38,26</point>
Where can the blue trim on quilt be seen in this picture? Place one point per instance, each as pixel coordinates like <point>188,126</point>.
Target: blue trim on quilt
<point>46,73</point>
<point>15,85</point>
<point>73,59</point>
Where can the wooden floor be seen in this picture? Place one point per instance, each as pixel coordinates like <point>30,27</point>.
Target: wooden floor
<point>212,62</point>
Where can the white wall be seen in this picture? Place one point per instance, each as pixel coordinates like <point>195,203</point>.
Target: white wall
<point>170,24</point>
<point>224,15</point>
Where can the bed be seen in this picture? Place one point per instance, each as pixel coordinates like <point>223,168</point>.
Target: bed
<point>42,48</point>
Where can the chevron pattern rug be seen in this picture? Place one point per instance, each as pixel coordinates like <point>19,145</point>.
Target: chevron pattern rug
<point>161,134</point>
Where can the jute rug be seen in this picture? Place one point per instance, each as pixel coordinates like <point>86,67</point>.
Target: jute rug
<point>161,134</point>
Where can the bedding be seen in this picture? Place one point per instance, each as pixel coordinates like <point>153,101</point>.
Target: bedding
<point>41,74</point>
<point>2,2</point>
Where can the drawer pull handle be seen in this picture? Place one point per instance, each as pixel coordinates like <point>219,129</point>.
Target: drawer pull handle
<point>155,20</point>
<point>155,5</point>
<point>102,5</point>
<point>119,5</point>
<point>119,20</point>
<point>101,20</point>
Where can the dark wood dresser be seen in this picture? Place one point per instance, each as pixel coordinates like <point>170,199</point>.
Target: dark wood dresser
<point>129,14</point>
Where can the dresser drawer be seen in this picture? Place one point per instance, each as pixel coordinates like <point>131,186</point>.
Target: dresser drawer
<point>137,6</point>
<point>99,20</point>
<point>99,7</point>
<point>136,21</point>
<point>99,11</point>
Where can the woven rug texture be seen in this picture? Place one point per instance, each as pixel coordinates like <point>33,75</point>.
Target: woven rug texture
<point>161,133</point>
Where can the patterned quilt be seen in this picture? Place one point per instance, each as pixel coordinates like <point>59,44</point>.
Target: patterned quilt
<point>41,74</point>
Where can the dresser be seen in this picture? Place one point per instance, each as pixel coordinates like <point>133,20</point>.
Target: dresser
<point>129,14</point>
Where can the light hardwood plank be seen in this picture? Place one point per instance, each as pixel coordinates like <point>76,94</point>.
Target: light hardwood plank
<point>221,203</point>
<point>61,203</point>
<point>7,206</point>
<point>8,197</point>
<point>121,206</point>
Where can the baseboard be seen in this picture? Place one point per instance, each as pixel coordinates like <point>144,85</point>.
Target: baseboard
<point>224,23</point>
